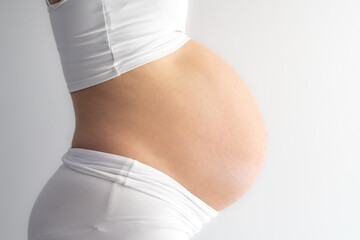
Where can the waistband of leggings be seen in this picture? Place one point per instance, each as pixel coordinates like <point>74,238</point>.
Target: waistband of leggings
<point>130,172</point>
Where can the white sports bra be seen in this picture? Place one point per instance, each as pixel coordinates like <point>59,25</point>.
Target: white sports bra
<point>98,40</point>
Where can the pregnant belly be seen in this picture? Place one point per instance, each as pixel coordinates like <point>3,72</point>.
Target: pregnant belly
<point>188,114</point>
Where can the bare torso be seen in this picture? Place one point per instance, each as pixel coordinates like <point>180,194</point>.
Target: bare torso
<point>188,114</point>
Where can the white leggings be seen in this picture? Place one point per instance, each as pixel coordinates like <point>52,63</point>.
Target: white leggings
<point>102,196</point>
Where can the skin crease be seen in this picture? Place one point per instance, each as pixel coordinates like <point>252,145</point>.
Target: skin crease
<point>188,114</point>
<point>54,1</point>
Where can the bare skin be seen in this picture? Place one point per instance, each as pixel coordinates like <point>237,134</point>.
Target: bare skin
<point>54,1</point>
<point>188,114</point>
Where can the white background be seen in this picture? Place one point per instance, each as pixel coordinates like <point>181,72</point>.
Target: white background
<point>301,61</point>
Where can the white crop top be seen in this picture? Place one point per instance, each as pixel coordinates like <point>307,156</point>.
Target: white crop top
<point>98,40</point>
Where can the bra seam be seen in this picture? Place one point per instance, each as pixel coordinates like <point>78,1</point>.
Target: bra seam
<point>107,35</point>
